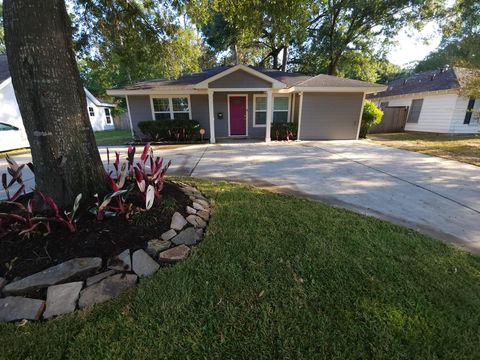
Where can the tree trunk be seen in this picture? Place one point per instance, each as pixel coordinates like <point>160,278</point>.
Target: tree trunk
<point>235,54</point>
<point>51,99</point>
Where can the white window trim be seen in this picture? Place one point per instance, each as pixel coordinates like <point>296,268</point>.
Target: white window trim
<point>170,105</point>
<point>255,96</point>
<point>108,116</point>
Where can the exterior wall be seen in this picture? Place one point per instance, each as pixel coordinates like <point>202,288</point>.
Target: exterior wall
<point>239,79</point>
<point>99,120</point>
<point>199,105</point>
<point>330,116</point>
<point>295,106</point>
<point>457,126</point>
<point>140,110</point>
<point>441,113</point>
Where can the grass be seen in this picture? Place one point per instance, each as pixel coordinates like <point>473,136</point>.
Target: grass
<point>281,277</point>
<point>113,137</point>
<point>464,148</point>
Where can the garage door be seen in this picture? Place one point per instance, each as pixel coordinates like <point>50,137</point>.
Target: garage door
<point>330,116</point>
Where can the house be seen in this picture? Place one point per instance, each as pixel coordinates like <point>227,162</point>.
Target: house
<point>434,101</point>
<point>99,110</point>
<point>242,101</point>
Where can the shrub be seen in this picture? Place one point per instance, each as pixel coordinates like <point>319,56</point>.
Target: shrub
<point>372,115</point>
<point>170,130</point>
<point>284,131</point>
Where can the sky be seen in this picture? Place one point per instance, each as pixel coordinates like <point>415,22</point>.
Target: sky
<point>413,45</point>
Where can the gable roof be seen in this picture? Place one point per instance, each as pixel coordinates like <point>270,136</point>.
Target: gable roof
<point>433,80</point>
<point>280,79</point>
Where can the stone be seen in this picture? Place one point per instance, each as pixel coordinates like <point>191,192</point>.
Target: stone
<point>196,221</point>
<point>175,254</point>
<point>205,215</point>
<point>155,246</point>
<point>186,237</point>
<point>75,268</point>
<point>109,288</point>
<point>178,222</point>
<point>202,202</point>
<point>191,211</point>
<point>121,262</point>
<point>197,206</point>
<point>167,235</point>
<point>198,234</point>
<point>143,265</point>
<point>96,278</point>
<point>62,299</point>
<point>15,308</point>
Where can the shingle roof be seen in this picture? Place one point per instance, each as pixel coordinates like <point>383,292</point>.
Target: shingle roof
<point>433,80</point>
<point>4,72</point>
<point>288,78</point>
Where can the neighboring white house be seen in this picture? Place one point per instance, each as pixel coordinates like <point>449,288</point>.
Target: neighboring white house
<point>99,110</point>
<point>434,101</point>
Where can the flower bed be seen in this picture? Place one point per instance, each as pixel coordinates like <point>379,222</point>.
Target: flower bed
<point>52,264</point>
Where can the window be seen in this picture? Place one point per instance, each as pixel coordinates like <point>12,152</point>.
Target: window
<point>280,110</point>
<point>468,115</point>
<point>108,116</point>
<point>260,118</point>
<point>415,110</point>
<point>91,111</point>
<point>169,108</point>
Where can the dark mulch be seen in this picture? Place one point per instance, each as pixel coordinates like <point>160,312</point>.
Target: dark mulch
<point>22,256</point>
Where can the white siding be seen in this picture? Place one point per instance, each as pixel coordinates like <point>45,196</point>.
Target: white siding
<point>436,114</point>
<point>457,126</point>
<point>10,113</point>
<point>99,121</point>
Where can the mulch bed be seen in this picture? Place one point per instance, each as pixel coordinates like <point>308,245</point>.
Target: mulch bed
<point>23,256</point>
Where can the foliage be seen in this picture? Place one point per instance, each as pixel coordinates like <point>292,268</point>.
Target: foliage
<point>2,32</point>
<point>124,41</point>
<point>338,28</point>
<point>170,130</point>
<point>284,131</point>
<point>371,115</point>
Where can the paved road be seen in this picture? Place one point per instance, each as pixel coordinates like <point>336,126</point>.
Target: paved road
<point>435,196</point>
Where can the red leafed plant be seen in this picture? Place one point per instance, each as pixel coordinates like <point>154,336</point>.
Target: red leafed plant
<point>16,172</point>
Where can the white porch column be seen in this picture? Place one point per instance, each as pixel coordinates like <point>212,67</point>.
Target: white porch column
<point>211,115</point>
<point>300,105</point>
<point>269,115</point>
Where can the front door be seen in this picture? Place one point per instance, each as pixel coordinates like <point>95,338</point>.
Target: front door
<point>238,115</point>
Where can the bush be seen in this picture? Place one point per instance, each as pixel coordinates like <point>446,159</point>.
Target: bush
<point>284,131</point>
<point>170,130</point>
<point>372,115</point>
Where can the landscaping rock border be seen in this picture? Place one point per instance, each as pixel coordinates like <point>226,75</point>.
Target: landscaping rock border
<point>81,282</point>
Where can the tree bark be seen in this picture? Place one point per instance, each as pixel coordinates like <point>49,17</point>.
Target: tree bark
<point>51,99</point>
<point>284,58</point>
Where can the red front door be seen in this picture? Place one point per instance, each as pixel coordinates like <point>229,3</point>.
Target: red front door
<point>238,115</point>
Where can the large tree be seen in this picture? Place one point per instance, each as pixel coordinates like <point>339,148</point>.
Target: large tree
<point>123,41</point>
<point>339,27</point>
<point>51,99</point>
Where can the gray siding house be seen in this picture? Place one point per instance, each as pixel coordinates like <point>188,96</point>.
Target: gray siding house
<point>242,101</point>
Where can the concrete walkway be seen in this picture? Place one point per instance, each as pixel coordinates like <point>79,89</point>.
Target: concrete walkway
<point>432,195</point>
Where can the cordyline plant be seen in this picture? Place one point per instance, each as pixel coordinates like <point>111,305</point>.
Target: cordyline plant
<point>16,173</point>
<point>28,221</point>
<point>148,173</point>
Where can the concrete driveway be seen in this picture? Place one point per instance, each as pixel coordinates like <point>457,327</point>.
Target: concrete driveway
<point>432,195</point>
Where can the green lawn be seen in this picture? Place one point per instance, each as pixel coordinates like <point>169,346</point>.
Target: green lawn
<point>464,148</point>
<point>281,277</point>
<point>113,137</point>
